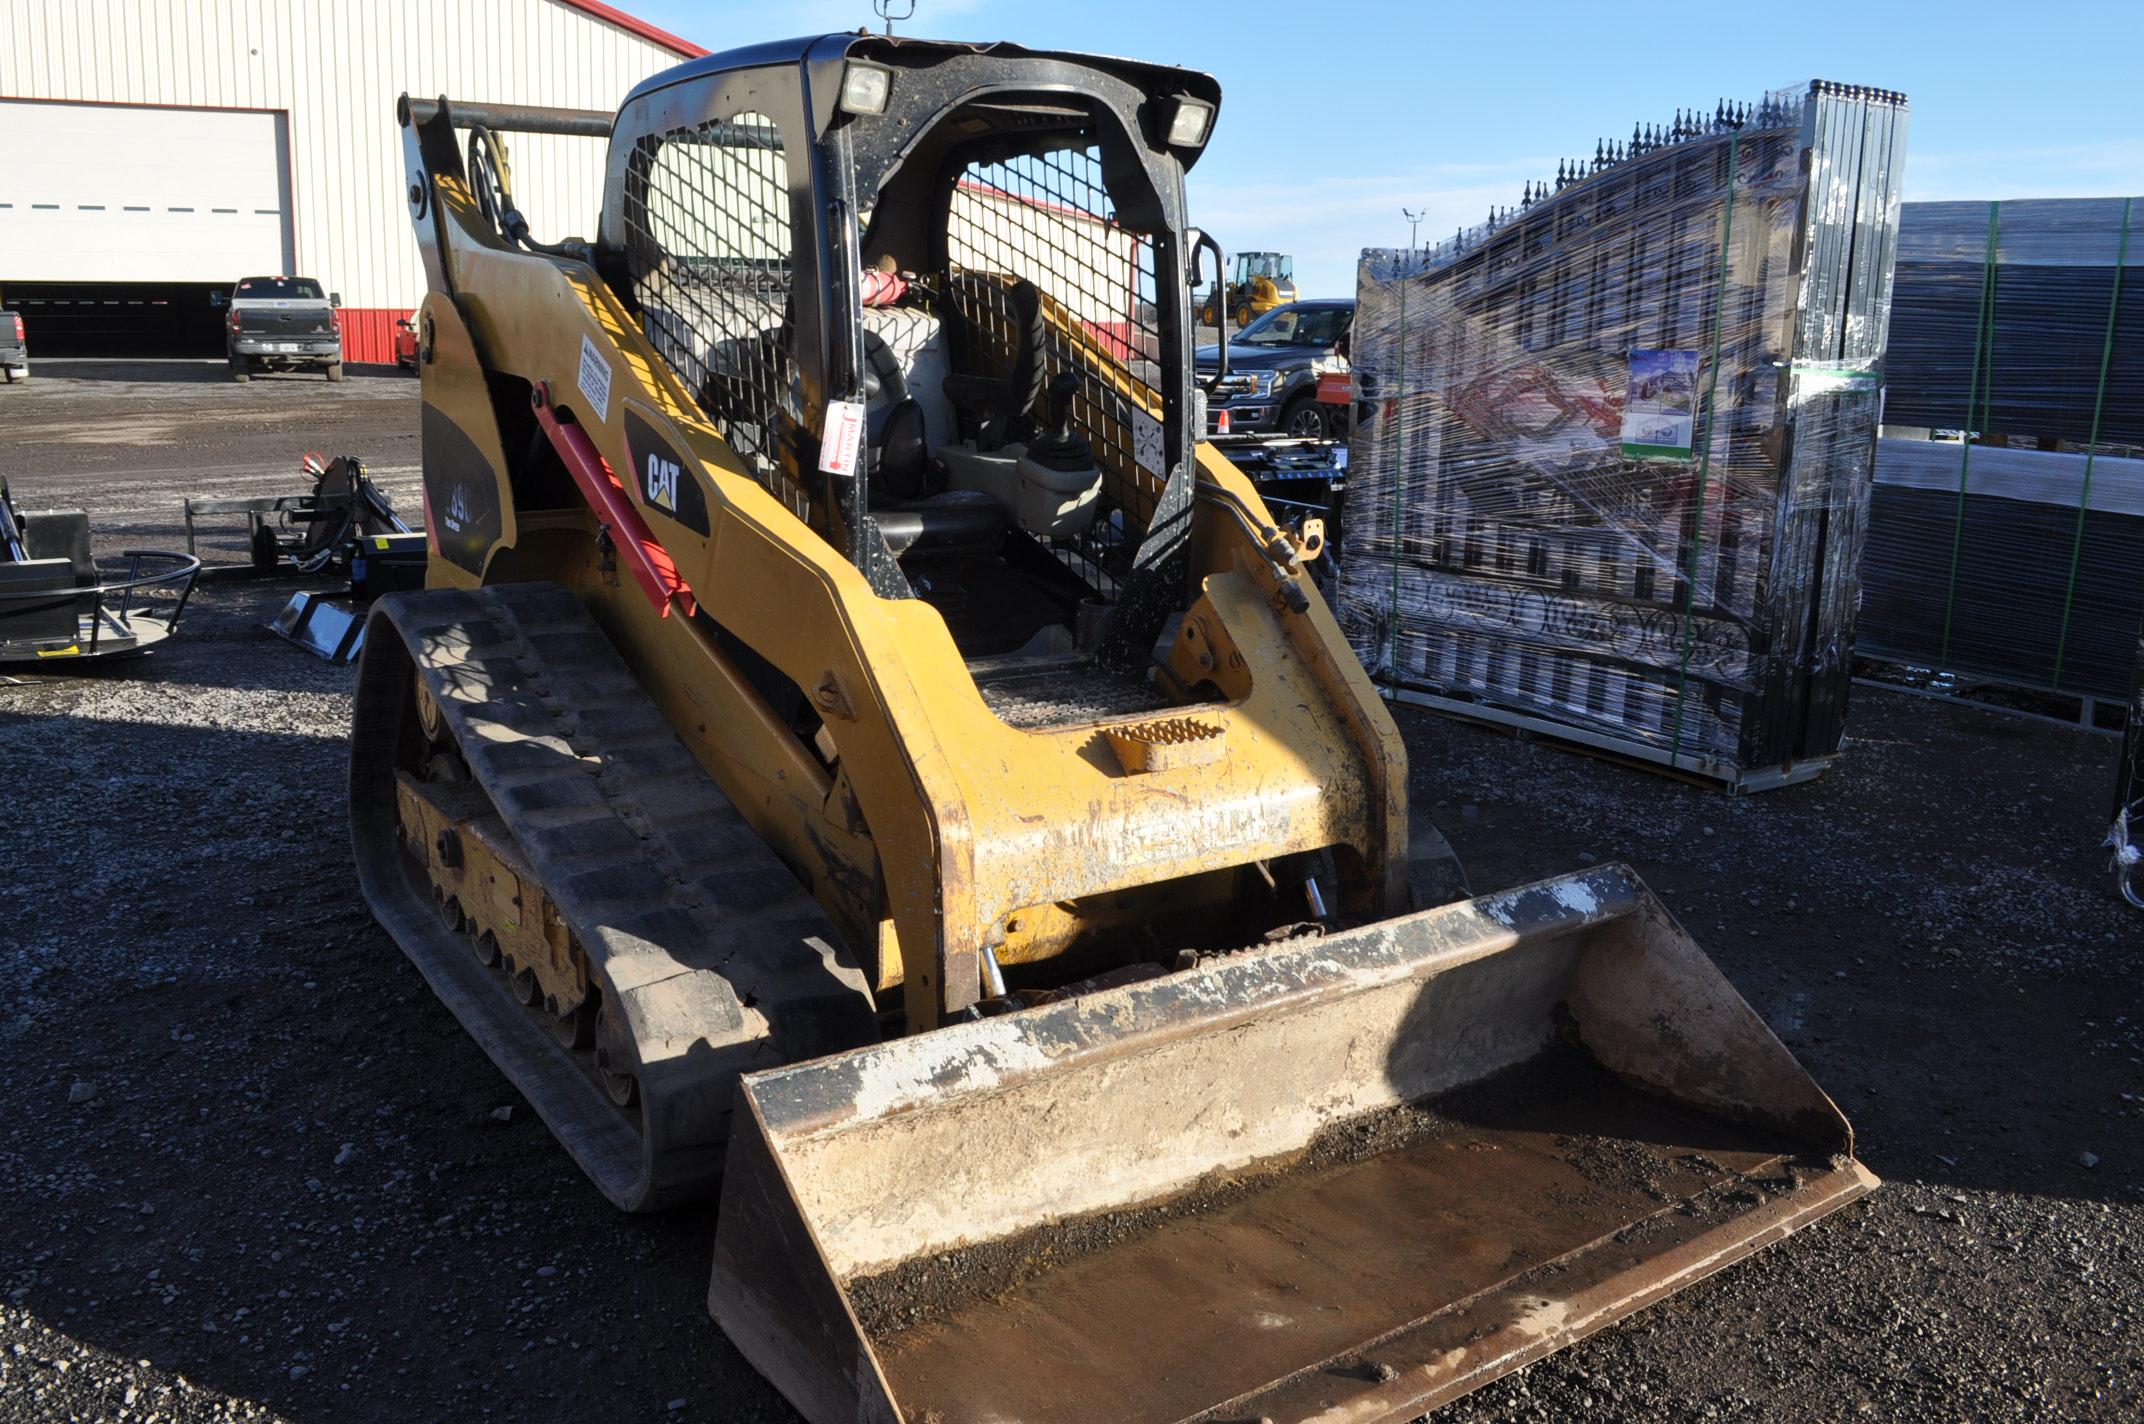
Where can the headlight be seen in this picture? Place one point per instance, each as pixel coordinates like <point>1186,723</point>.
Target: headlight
<point>1271,381</point>
<point>1188,122</point>
<point>865,88</point>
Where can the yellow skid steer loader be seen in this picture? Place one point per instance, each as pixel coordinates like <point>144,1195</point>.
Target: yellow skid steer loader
<point>859,754</point>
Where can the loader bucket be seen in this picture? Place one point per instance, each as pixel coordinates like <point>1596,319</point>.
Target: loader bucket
<point>1346,1178</point>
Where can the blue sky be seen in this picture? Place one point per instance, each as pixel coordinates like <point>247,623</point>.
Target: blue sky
<point>1334,116</point>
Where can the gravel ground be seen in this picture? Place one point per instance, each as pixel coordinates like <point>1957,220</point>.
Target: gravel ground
<point>252,1170</point>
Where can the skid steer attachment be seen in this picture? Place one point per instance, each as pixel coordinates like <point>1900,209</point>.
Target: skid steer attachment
<point>1342,1178</point>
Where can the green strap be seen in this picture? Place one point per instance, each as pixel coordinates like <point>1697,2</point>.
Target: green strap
<point>1983,342</point>
<point>2099,400</point>
<point>1704,462</point>
<point>1399,418</point>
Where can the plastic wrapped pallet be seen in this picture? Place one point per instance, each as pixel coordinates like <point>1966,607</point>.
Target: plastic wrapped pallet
<point>2023,323</point>
<point>2021,318</point>
<point>1612,475</point>
<point>2018,566</point>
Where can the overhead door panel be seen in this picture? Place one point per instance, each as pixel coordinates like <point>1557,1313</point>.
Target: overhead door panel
<point>135,193</point>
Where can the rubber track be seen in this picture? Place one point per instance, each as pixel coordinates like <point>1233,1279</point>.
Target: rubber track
<point>715,959</point>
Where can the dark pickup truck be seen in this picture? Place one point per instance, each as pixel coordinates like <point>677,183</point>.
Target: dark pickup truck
<point>1273,369</point>
<point>281,323</point>
<point>14,348</point>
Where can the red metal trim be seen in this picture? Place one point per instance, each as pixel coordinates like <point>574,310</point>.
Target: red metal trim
<point>1048,205</point>
<point>1131,257</point>
<point>645,558</point>
<point>368,334</point>
<point>634,25</point>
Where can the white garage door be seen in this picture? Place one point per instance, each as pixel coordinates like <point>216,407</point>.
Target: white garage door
<point>127,193</point>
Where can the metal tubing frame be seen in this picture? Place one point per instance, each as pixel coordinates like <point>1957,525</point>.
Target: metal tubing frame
<point>507,118</point>
<point>185,571</point>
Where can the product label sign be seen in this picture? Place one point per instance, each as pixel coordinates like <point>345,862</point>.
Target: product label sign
<point>595,379</point>
<point>1147,447</point>
<point>1660,412</point>
<point>842,442</point>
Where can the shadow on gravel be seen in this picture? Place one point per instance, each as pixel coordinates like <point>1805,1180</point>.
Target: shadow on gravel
<point>187,371</point>
<point>286,1175</point>
<point>280,668</point>
<point>1930,927</point>
<point>174,371</point>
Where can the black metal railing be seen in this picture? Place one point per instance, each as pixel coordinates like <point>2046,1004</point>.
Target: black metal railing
<point>92,602</point>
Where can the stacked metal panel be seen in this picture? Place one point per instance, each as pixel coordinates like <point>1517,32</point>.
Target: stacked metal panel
<point>1997,564</point>
<point>2022,317</point>
<point>2023,323</point>
<point>1613,472</point>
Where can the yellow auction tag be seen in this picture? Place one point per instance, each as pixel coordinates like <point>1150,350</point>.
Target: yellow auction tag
<point>71,650</point>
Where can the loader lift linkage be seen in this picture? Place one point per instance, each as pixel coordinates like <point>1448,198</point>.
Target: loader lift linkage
<point>859,752</point>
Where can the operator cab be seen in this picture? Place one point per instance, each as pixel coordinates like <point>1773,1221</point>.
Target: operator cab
<point>1276,267</point>
<point>984,248</point>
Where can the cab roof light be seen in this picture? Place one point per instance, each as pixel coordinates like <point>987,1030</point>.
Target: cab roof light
<point>865,88</point>
<point>1189,122</point>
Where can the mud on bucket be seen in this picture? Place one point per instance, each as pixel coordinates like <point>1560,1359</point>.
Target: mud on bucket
<point>1339,1178</point>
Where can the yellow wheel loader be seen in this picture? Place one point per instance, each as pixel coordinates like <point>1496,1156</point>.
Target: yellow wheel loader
<point>859,755</point>
<point>1257,283</point>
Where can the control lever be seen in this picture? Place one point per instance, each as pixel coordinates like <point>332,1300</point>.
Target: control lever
<point>1060,447</point>
<point>1059,417</point>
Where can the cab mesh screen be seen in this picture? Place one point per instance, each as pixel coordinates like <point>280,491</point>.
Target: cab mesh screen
<point>709,241</point>
<point>1047,218</point>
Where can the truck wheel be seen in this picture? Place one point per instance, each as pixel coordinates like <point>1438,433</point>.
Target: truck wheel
<point>241,369</point>
<point>1302,419</point>
<point>1243,316</point>
<point>335,371</point>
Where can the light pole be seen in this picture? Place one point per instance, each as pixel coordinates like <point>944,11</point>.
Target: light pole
<point>1414,225</point>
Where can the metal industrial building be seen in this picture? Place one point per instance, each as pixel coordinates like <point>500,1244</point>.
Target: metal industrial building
<point>153,152</point>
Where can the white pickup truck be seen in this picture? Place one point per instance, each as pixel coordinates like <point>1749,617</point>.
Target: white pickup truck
<point>281,323</point>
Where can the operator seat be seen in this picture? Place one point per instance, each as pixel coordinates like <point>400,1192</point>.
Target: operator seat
<point>995,409</point>
<point>913,523</point>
